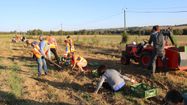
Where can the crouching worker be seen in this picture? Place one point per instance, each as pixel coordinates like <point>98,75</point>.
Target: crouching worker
<point>53,46</point>
<point>67,50</point>
<point>79,61</point>
<point>39,58</point>
<point>112,79</point>
<point>174,97</point>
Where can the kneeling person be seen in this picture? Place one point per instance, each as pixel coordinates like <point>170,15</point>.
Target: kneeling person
<point>79,61</point>
<point>113,78</point>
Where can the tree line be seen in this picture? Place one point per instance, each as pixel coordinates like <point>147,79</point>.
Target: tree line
<point>102,32</point>
<point>80,32</point>
<point>116,31</point>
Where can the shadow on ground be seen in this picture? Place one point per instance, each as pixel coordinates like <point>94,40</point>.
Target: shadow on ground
<point>10,99</point>
<point>133,69</point>
<point>68,85</point>
<point>21,58</point>
<point>3,67</point>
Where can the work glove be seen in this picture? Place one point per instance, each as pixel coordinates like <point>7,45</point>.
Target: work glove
<point>43,57</point>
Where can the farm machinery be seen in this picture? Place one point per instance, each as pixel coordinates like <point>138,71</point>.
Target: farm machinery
<point>142,53</point>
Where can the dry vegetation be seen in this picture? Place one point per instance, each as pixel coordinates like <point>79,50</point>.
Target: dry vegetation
<point>20,86</point>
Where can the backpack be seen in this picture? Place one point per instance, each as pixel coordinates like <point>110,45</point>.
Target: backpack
<point>159,45</point>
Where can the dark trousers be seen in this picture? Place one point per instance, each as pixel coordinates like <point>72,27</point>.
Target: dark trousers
<point>53,50</point>
<point>154,58</point>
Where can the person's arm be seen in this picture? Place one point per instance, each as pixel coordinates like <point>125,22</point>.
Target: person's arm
<point>171,39</point>
<point>55,42</point>
<point>150,39</point>
<point>128,79</point>
<point>100,84</point>
<point>75,62</point>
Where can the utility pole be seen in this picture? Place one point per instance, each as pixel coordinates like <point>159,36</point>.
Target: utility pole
<point>124,21</point>
<point>61,29</point>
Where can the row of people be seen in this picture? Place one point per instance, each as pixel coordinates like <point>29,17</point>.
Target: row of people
<point>110,77</point>
<point>43,49</point>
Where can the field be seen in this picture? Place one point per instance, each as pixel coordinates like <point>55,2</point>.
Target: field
<point>20,86</point>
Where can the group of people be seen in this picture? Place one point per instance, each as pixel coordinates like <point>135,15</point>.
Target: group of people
<point>47,46</point>
<point>41,52</point>
<point>110,78</point>
<point>18,38</point>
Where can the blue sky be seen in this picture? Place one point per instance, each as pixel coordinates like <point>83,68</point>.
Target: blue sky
<point>22,15</point>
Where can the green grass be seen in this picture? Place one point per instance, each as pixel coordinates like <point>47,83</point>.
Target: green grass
<point>15,83</point>
<point>88,98</point>
<point>15,67</point>
<point>1,58</point>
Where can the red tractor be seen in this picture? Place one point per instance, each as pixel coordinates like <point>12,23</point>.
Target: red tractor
<point>142,52</point>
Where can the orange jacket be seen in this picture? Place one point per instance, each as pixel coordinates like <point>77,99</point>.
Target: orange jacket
<point>36,51</point>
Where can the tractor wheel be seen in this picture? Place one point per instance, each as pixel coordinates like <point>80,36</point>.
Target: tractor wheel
<point>145,59</point>
<point>125,60</point>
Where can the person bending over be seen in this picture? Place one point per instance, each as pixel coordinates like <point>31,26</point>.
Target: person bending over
<point>79,61</point>
<point>113,78</point>
<point>174,97</point>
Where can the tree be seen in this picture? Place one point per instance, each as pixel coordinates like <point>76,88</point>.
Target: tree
<point>185,31</point>
<point>29,32</point>
<point>60,32</point>
<point>124,38</point>
<point>52,32</point>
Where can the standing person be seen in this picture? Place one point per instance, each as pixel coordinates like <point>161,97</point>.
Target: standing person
<point>18,38</point>
<point>23,39</point>
<point>168,34</point>
<point>53,46</point>
<point>158,46</point>
<point>112,78</point>
<point>70,41</point>
<point>44,47</point>
<point>39,58</point>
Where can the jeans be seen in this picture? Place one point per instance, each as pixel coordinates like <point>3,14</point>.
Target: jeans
<point>41,63</point>
<point>118,87</point>
<point>154,58</point>
<point>53,50</point>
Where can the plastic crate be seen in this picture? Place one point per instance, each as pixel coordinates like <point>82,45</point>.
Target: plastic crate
<point>143,91</point>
